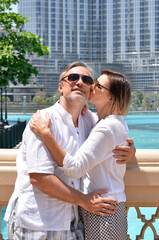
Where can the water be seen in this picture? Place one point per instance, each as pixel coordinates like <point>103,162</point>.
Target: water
<point>12,119</point>
<point>144,129</point>
<point>3,224</point>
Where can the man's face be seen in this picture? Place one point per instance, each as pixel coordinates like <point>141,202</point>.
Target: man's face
<point>75,90</point>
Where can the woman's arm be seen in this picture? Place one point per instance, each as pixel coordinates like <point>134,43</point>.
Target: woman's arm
<point>90,157</point>
<point>97,148</point>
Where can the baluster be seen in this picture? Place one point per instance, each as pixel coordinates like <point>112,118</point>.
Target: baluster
<point>1,237</point>
<point>147,223</point>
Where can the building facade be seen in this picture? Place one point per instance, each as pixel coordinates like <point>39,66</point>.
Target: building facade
<point>121,34</point>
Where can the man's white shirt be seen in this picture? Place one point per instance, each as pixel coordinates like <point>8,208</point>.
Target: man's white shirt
<point>37,210</point>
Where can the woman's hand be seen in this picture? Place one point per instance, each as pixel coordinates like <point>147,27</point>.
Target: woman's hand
<point>40,125</point>
<point>124,154</point>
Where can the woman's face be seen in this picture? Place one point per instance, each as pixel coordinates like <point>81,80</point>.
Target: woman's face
<point>100,93</point>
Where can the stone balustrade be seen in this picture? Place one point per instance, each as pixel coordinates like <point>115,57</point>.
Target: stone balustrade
<point>141,182</point>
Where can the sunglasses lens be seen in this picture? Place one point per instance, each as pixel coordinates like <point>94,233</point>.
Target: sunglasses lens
<point>87,80</point>
<point>73,77</point>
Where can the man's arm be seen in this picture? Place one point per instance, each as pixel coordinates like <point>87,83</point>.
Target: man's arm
<point>55,188</point>
<point>124,154</point>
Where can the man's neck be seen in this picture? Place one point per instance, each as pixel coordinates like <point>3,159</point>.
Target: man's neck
<point>72,107</point>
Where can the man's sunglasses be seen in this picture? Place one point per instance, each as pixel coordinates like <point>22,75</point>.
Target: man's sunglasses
<point>73,77</point>
<point>97,84</point>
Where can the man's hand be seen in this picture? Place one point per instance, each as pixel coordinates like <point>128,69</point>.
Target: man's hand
<point>99,205</point>
<point>92,202</point>
<point>84,109</point>
<point>124,154</point>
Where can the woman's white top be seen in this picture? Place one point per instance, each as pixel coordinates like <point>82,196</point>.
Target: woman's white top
<point>95,162</point>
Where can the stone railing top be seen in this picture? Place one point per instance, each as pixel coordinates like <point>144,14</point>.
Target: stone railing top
<point>141,178</point>
<point>8,157</point>
<point>143,157</point>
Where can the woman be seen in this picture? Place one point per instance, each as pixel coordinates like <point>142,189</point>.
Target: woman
<point>94,161</point>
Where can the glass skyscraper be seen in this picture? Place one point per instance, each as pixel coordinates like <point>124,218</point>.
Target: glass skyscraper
<point>120,34</point>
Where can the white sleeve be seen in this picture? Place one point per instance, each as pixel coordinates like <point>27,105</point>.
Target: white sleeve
<point>38,158</point>
<point>96,149</point>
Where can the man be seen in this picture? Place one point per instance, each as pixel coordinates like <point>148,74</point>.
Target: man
<point>43,205</point>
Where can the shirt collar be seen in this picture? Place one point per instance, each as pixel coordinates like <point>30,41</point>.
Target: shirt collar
<point>67,117</point>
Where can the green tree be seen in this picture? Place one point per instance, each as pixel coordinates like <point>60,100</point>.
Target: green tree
<point>37,99</point>
<point>57,95</point>
<point>4,99</point>
<point>49,100</point>
<point>157,102</point>
<point>147,103</point>
<point>137,99</point>
<point>15,44</point>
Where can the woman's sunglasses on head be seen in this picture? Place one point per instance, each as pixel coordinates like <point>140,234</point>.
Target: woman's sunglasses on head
<point>73,77</point>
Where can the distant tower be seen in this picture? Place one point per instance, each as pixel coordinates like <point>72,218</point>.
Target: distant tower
<point>119,34</point>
